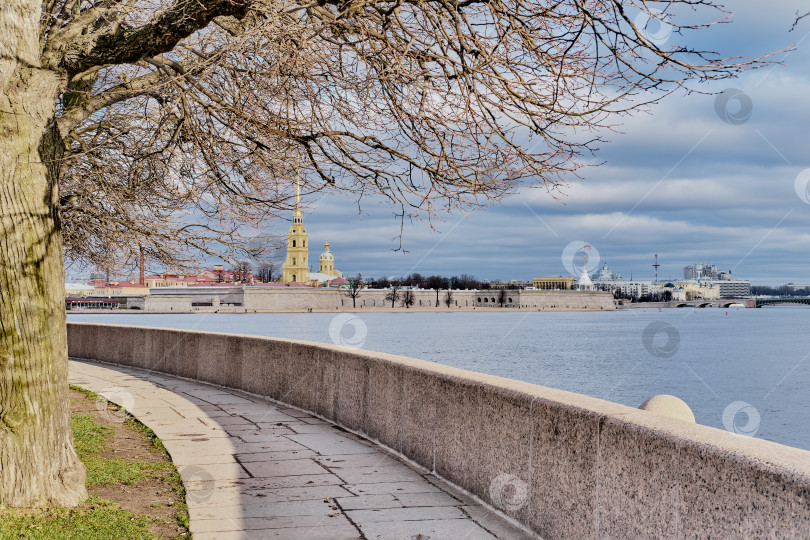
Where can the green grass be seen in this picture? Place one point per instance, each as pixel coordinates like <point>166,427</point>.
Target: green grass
<point>89,439</point>
<point>97,518</point>
<point>182,507</point>
<point>157,444</point>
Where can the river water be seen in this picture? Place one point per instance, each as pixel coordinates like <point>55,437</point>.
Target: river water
<point>745,370</point>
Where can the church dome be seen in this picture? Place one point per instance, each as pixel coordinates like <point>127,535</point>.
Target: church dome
<point>326,255</point>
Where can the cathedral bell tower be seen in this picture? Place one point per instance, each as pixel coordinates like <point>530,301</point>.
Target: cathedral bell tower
<point>326,263</point>
<point>296,267</point>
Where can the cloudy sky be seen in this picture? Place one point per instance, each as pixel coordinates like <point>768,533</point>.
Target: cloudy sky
<point>680,182</point>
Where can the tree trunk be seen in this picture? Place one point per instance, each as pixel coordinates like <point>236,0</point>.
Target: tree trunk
<point>38,465</point>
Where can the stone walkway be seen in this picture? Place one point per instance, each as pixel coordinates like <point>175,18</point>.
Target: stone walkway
<point>255,469</point>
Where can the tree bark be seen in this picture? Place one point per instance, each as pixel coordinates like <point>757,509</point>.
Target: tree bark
<point>38,465</point>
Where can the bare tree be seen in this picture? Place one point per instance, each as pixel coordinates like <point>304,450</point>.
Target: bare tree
<point>501,297</point>
<point>436,283</point>
<point>407,298</point>
<point>243,271</point>
<point>353,287</point>
<point>267,272</point>
<point>393,294</point>
<point>448,298</point>
<point>170,125</point>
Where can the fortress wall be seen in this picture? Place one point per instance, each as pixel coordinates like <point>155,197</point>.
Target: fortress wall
<point>260,299</point>
<point>162,303</point>
<point>375,298</point>
<point>296,298</point>
<point>567,300</point>
<point>563,464</point>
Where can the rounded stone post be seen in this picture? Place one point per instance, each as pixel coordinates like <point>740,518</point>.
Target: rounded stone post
<point>669,406</point>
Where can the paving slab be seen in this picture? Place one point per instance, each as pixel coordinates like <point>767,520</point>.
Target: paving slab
<point>365,502</point>
<point>437,498</point>
<point>400,515</point>
<point>253,468</point>
<point>377,474</point>
<point>248,485</point>
<point>426,528</point>
<point>344,461</point>
<point>390,487</point>
<point>288,467</point>
<point>331,444</point>
<point>282,455</point>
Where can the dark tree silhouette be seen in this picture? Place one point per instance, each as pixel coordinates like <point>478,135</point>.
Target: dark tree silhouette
<point>407,298</point>
<point>353,287</point>
<point>393,294</point>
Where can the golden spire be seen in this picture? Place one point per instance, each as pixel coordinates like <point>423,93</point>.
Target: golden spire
<point>298,183</point>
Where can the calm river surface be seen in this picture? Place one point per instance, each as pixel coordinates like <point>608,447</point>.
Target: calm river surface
<point>747,371</point>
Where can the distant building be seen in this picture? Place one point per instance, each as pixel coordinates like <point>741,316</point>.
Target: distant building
<point>217,276</point>
<point>605,274</point>
<point>78,289</point>
<point>84,302</point>
<point>793,287</point>
<point>119,288</point>
<point>635,289</point>
<point>737,288</point>
<point>553,283</point>
<point>701,271</point>
<point>708,275</point>
<point>326,263</point>
<point>678,294</point>
<point>696,290</point>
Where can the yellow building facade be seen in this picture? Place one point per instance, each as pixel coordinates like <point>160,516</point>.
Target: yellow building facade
<point>552,283</point>
<point>697,291</point>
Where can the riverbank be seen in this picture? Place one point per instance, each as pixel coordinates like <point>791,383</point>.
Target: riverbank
<point>243,311</point>
<point>699,303</point>
<point>296,299</point>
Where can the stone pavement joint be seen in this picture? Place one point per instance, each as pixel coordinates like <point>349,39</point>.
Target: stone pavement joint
<point>257,469</point>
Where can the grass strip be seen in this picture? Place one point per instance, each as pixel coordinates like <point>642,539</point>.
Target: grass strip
<point>98,518</point>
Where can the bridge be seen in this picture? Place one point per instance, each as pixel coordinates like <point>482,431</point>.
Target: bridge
<point>778,301</point>
<point>699,303</point>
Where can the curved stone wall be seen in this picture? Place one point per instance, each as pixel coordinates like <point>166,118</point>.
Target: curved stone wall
<point>563,464</point>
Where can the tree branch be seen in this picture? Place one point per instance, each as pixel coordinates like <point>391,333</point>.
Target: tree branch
<point>140,85</point>
<point>80,52</point>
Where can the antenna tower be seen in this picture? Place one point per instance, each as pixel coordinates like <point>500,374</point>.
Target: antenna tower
<point>656,265</point>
